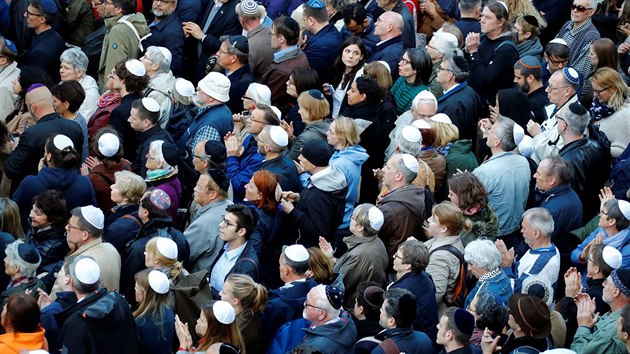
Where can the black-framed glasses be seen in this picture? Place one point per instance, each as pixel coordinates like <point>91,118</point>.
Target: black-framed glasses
<point>551,88</point>
<point>404,61</point>
<point>556,62</point>
<point>306,304</point>
<point>580,8</point>
<point>227,223</point>
<point>599,92</point>
<point>28,13</point>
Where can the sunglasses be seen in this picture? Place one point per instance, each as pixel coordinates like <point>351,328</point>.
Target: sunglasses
<point>580,8</point>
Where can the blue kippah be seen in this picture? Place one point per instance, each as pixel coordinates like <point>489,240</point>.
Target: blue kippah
<point>571,75</point>
<point>10,45</point>
<point>49,6</point>
<point>530,62</point>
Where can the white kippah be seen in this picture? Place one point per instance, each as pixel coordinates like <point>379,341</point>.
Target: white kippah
<point>276,110</point>
<point>166,53</point>
<point>224,312</point>
<point>504,5</point>
<point>421,124</point>
<point>612,257</point>
<point>526,147</point>
<point>151,104</point>
<point>441,118</point>
<point>296,253</point>
<point>87,271</point>
<point>61,142</point>
<point>184,87</point>
<point>279,136</point>
<point>559,41</point>
<point>376,217</point>
<point>94,216</point>
<point>518,133</point>
<point>158,281</point>
<point>411,134</point>
<point>135,67</point>
<point>624,206</point>
<point>410,162</point>
<point>108,144</point>
<point>166,247</point>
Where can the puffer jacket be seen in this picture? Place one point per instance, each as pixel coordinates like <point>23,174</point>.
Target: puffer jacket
<point>333,338</point>
<point>51,244</point>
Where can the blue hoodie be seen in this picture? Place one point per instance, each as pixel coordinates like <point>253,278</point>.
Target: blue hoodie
<point>349,161</point>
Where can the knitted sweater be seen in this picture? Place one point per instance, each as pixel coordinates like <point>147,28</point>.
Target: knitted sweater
<point>404,93</point>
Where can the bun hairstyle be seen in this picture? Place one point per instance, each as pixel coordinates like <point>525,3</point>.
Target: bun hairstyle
<point>67,157</point>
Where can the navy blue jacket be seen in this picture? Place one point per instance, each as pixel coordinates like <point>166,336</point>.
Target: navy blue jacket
<point>321,49</point>
<point>151,338</point>
<point>468,25</point>
<point>407,340</point>
<point>620,175</point>
<point>122,226</point>
<point>45,50</point>
<point>285,169</point>
<point>239,82</point>
<point>368,37</point>
<point>240,169</point>
<point>463,105</point>
<point>189,10</point>
<point>77,190</point>
<point>219,117</point>
<point>421,286</point>
<point>390,52</point>
<point>566,209</point>
<point>269,227</point>
<point>118,120</point>
<point>64,300</point>
<point>247,263</point>
<point>168,33</point>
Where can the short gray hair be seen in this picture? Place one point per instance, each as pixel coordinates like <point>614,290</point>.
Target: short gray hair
<point>483,254</point>
<point>505,133</point>
<point>75,57</point>
<point>28,269</point>
<point>322,301</point>
<point>158,58</point>
<point>79,286</point>
<point>577,122</point>
<point>408,147</point>
<point>541,219</point>
<point>402,168</point>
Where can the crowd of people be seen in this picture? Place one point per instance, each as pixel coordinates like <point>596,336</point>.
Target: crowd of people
<point>320,176</point>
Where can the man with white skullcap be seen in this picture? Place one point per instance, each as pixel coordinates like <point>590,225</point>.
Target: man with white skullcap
<point>507,188</point>
<point>423,106</point>
<point>101,318</point>
<point>403,206</point>
<point>272,141</point>
<point>157,62</point>
<point>143,119</point>
<point>286,303</point>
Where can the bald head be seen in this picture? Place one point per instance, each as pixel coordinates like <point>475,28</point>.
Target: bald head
<point>40,102</point>
<point>390,24</point>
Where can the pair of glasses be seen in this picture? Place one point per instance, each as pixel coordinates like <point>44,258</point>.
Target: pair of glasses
<point>306,304</point>
<point>580,8</point>
<point>599,92</point>
<point>227,223</point>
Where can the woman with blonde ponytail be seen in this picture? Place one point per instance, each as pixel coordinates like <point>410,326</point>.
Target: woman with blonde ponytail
<point>161,254</point>
<point>248,299</point>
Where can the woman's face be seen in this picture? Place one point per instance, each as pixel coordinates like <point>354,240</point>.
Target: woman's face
<point>404,68</point>
<point>66,71</point>
<point>354,96</point>
<point>593,56</point>
<point>601,92</point>
<point>331,136</point>
<point>227,294</point>
<point>38,218</point>
<point>291,90</point>
<point>149,260</point>
<point>60,106</point>
<point>139,292</point>
<point>490,24</point>
<point>8,268</point>
<point>477,271</point>
<point>202,324</point>
<point>303,113</point>
<point>115,195</point>
<point>251,191</point>
<point>435,229</point>
<point>453,197</point>
<point>351,56</point>
<point>152,163</point>
<point>16,86</point>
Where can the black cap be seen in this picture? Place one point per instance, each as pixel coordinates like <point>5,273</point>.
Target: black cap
<point>220,178</point>
<point>28,253</point>
<point>317,152</point>
<point>216,151</point>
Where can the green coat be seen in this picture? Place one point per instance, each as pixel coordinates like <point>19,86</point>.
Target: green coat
<point>485,224</point>
<point>78,22</point>
<point>120,43</point>
<point>434,86</point>
<point>603,338</point>
<point>460,156</point>
<point>33,285</point>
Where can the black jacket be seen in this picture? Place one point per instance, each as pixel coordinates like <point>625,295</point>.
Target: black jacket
<point>272,237</point>
<point>144,140</point>
<point>463,105</point>
<point>50,243</point>
<point>239,82</point>
<point>591,165</point>
<point>168,33</point>
<point>122,226</point>
<point>118,120</point>
<point>537,102</point>
<point>101,323</point>
<point>247,263</point>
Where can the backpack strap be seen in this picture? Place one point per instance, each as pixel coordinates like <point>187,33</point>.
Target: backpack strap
<point>249,259</point>
<point>131,217</point>
<point>451,249</point>
<point>105,178</point>
<point>140,39</point>
<point>389,346</point>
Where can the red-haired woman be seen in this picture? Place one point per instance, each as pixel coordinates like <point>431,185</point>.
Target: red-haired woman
<point>264,192</point>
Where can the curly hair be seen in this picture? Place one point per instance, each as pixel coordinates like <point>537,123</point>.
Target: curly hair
<point>469,190</point>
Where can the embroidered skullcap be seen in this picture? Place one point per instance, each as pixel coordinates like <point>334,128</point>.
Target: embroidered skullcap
<point>184,87</point>
<point>166,53</point>
<point>87,271</point>
<point>135,67</point>
<point>158,281</point>
<point>529,62</point>
<point>150,104</point>
<point>411,134</point>
<point>621,279</point>
<point>441,118</point>
<point>612,257</point>
<point>249,7</point>
<point>94,216</point>
<point>279,136</point>
<point>410,162</point>
<point>159,199</point>
<point>571,75</point>
<point>296,253</point>
<point>624,206</point>
<point>518,133</point>
<point>108,144</point>
<point>316,94</point>
<point>421,124</point>
<point>376,217</point>
<point>334,296</point>
<point>539,287</point>
<point>62,141</point>
<point>224,312</point>
<point>166,247</point>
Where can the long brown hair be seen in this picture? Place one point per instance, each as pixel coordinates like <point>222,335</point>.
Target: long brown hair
<point>218,332</point>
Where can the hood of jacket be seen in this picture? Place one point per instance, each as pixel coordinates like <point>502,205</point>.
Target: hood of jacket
<point>105,311</point>
<point>355,155</point>
<point>87,82</point>
<point>320,127</point>
<point>137,20</point>
<point>408,196</point>
<point>343,331</point>
<point>163,82</point>
<point>19,341</point>
<point>57,178</point>
<point>330,179</point>
<point>461,146</point>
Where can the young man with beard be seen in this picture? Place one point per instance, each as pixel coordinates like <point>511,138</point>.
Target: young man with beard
<point>528,77</point>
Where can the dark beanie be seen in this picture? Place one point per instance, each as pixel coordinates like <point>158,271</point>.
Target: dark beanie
<point>464,321</point>
<point>220,178</point>
<point>317,152</point>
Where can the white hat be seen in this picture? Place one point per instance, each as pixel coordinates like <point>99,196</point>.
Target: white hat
<point>445,42</point>
<point>411,134</point>
<point>624,206</point>
<point>261,93</point>
<point>184,87</point>
<point>296,253</point>
<point>559,41</point>
<point>108,144</point>
<point>166,53</point>
<point>94,216</point>
<point>421,124</point>
<point>158,281</point>
<point>224,312</point>
<point>166,247</point>
<point>135,67</point>
<point>410,162</point>
<point>425,95</point>
<point>518,133</point>
<point>87,271</point>
<point>558,351</point>
<point>441,118</point>
<point>612,257</point>
<point>216,85</point>
<point>61,142</point>
<point>276,110</point>
<point>150,104</point>
<point>376,217</point>
<point>279,136</point>
<point>526,146</point>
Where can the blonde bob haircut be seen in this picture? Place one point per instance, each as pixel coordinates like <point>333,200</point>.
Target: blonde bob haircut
<point>444,133</point>
<point>347,131</point>
<point>130,185</point>
<point>317,109</point>
<point>607,77</point>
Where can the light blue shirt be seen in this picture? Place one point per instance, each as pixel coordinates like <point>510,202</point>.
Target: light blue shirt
<point>224,265</point>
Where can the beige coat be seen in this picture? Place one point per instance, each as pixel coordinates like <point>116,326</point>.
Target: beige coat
<point>443,267</point>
